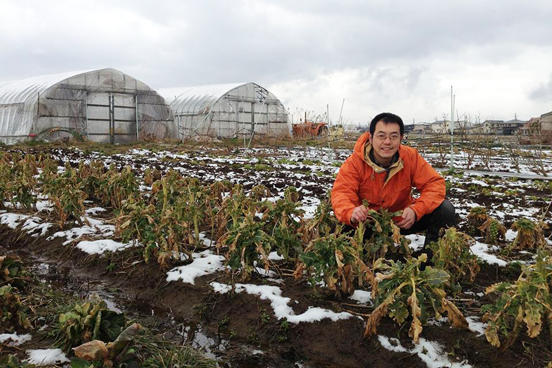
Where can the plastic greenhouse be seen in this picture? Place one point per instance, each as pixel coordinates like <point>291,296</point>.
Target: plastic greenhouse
<point>227,111</point>
<point>103,105</point>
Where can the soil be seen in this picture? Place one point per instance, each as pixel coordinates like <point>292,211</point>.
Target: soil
<point>241,324</point>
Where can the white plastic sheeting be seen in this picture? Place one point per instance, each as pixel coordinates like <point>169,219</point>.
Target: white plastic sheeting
<point>104,105</point>
<point>227,111</point>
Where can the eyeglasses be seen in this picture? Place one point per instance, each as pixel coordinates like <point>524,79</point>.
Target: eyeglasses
<point>392,137</point>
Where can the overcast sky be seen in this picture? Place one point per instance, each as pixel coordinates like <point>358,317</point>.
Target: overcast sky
<point>398,56</point>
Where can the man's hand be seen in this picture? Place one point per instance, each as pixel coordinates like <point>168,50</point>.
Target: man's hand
<point>359,214</point>
<point>408,218</point>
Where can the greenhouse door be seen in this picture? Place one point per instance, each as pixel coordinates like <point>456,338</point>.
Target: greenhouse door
<point>111,117</point>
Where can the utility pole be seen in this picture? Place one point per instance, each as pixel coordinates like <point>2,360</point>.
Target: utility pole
<point>451,129</point>
<point>341,112</point>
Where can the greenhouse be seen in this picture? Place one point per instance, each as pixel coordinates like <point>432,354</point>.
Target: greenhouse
<point>103,105</point>
<point>227,111</point>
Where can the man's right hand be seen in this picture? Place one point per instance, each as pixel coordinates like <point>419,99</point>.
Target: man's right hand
<point>359,214</point>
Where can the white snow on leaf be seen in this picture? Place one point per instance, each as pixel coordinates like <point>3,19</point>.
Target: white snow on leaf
<point>280,304</point>
<point>43,357</point>
<point>203,263</point>
<point>416,241</point>
<point>273,256</point>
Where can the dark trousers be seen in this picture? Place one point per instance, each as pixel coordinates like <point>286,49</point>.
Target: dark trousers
<point>442,217</point>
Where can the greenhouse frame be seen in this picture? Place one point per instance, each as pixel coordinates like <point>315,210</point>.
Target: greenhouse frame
<point>102,105</point>
<point>227,111</point>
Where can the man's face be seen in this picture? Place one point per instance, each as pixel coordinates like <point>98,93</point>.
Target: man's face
<point>385,141</point>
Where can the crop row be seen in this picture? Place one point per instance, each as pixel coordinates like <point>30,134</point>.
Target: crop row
<point>167,215</point>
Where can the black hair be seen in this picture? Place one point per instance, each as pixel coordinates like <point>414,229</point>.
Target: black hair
<point>386,117</point>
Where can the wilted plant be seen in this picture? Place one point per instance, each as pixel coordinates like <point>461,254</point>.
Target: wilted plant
<point>258,192</point>
<point>530,234</point>
<point>65,191</point>
<point>383,236</point>
<point>526,301</point>
<point>21,184</point>
<point>118,186</point>
<point>151,175</point>
<point>282,221</point>
<point>13,314</point>
<point>493,230</point>
<point>476,218</point>
<point>107,354</point>
<point>335,260</point>
<point>322,223</point>
<point>248,245</point>
<point>93,178</point>
<point>452,253</point>
<point>404,290</point>
<point>88,321</point>
<point>12,271</point>
<point>136,222</point>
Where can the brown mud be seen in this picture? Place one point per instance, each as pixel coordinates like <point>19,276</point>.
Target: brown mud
<point>240,326</point>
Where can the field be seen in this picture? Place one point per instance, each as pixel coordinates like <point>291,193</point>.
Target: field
<point>208,247</point>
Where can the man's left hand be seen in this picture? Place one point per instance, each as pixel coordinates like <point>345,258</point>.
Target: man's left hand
<point>408,218</point>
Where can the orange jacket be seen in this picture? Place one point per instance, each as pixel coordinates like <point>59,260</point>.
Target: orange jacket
<point>359,179</point>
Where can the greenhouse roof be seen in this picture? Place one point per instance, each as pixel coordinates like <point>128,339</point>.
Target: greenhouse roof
<point>19,91</point>
<point>196,98</point>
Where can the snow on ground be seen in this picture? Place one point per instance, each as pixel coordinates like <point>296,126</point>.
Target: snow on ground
<point>203,263</point>
<point>280,303</point>
<point>94,210</point>
<point>14,339</point>
<point>430,352</point>
<point>103,245</point>
<point>362,296</point>
<point>96,227</point>
<point>482,251</point>
<point>510,235</point>
<point>475,325</point>
<point>12,220</point>
<point>43,357</point>
<point>35,227</point>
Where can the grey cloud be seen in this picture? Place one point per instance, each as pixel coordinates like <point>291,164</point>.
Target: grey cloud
<point>224,41</point>
<point>543,92</point>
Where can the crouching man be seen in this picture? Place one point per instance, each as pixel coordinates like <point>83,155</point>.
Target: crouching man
<point>383,172</point>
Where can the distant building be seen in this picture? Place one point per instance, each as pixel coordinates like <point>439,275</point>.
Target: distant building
<point>501,127</point>
<point>537,130</point>
<point>443,126</point>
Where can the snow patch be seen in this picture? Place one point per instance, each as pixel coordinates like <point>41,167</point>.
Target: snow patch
<point>203,263</point>
<point>102,245</point>
<point>430,352</point>
<point>481,250</point>
<point>14,339</point>
<point>280,304</point>
<point>43,357</point>
<point>362,296</point>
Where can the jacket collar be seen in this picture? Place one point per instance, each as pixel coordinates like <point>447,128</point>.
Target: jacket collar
<point>362,149</point>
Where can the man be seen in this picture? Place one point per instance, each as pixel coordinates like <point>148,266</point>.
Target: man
<point>383,172</point>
